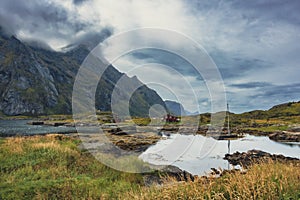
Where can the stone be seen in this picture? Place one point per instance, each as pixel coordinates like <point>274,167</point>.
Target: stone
<point>246,159</point>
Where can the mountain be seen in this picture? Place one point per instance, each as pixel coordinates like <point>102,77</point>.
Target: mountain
<point>35,81</point>
<point>281,110</point>
<point>278,114</point>
<point>191,113</point>
<point>175,108</point>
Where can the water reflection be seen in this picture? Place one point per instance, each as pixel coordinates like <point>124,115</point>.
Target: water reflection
<point>197,154</point>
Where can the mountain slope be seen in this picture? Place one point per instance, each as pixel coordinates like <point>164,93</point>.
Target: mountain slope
<point>282,110</point>
<point>175,108</point>
<point>35,81</point>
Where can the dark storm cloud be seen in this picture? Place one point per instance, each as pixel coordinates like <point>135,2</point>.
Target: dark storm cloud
<point>36,16</point>
<point>166,58</point>
<point>233,66</point>
<point>78,2</point>
<point>290,91</point>
<point>251,85</point>
<point>275,10</point>
<point>263,98</point>
<point>48,21</point>
<point>253,43</point>
<point>91,39</point>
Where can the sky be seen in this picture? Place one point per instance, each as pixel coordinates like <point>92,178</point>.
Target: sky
<point>254,44</point>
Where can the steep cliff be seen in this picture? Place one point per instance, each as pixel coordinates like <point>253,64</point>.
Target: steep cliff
<point>36,81</point>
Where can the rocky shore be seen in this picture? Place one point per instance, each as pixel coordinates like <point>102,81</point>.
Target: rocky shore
<point>285,136</point>
<point>138,142</point>
<point>279,136</point>
<point>246,159</point>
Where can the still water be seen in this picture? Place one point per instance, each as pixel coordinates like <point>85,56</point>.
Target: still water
<point>195,154</point>
<point>20,127</point>
<point>198,154</point>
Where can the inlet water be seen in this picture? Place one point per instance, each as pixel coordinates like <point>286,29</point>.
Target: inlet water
<point>20,127</point>
<point>198,154</point>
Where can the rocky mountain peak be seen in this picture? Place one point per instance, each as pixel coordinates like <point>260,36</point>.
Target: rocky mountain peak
<point>39,81</point>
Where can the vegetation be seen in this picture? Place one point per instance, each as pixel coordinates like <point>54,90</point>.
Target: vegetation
<point>278,118</point>
<point>52,167</point>
<point>263,181</point>
<point>268,129</point>
<point>141,121</point>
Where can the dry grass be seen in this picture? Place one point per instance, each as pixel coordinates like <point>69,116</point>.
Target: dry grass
<point>19,144</point>
<point>265,181</point>
<point>52,167</point>
<point>16,143</point>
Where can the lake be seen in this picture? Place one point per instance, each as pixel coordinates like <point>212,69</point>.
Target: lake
<point>194,153</point>
<point>198,154</point>
<point>20,127</point>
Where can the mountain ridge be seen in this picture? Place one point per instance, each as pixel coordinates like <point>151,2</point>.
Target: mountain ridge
<point>175,108</point>
<point>35,81</point>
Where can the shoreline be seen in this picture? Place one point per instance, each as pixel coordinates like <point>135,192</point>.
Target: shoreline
<point>140,142</point>
<point>37,163</point>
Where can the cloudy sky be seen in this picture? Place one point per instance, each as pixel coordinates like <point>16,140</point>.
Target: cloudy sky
<point>254,44</point>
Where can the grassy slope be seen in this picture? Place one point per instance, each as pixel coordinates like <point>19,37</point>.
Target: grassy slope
<point>277,118</point>
<point>52,167</point>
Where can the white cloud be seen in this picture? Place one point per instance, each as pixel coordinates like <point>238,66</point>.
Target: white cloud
<point>247,30</point>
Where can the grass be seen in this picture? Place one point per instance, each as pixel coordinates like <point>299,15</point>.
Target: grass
<point>269,128</point>
<point>264,181</point>
<point>52,167</point>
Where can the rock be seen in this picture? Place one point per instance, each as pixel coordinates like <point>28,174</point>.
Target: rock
<point>120,143</point>
<point>246,159</point>
<point>123,130</point>
<point>171,129</point>
<point>35,81</point>
<point>152,179</point>
<point>36,123</point>
<point>114,130</point>
<point>285,137</point>
<point>138,142</point>
<point>158,177</point>
<point>121,133</point>
<point>294,129</point>
<point>215,171</point>
<point>59,123</point>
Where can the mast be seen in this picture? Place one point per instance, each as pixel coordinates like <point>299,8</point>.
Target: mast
<point>228,132</point>
<point>228,128</point>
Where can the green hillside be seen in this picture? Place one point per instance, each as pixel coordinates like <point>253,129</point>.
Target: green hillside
<point>279,116</point>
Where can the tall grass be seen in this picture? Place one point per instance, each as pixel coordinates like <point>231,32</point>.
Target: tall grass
<point>264,181</point>
<point>52,167</point>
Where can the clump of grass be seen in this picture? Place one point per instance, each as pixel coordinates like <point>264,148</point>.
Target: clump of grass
<point>270,128</point>
<point>52,167</point>
<point>141,121</point>
<point>263,181</point>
